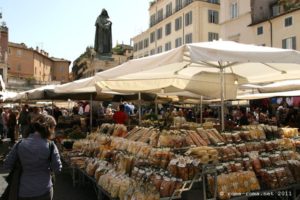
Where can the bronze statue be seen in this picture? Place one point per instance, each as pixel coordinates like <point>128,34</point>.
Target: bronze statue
<point>103,39</point>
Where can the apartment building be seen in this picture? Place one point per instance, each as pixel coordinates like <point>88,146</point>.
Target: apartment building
<point>268,22</point>
<point>60,70</point>
<point>34,65</point>
<point>177,22</point>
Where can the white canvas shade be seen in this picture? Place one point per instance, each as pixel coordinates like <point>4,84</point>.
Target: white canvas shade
<point>269,95</point>
<point>255,64</point>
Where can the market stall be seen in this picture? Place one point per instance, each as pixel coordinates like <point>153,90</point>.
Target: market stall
<point>210,63</point>
<point>253,161</point>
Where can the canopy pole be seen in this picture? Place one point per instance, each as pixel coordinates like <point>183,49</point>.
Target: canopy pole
<point>156,104</point>
<point>222,98</point>
<point>201,109</point>
<point>52,107</point>
<point>91,112</point>
<point>140,109</point>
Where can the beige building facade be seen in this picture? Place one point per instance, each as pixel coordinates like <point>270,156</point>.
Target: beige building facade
<point>235,16</point>
<point>267,23</point>
<point>177,22</point>
<point>35,65</point>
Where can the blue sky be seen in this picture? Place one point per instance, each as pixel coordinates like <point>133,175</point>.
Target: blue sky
<point>64,28</point>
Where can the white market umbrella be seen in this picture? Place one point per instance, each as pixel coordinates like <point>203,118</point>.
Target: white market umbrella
<point>269,95</point>
<point>33,94</point>
<point>256,64</point>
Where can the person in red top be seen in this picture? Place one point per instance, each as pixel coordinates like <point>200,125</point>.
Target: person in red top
<point>120,117</point>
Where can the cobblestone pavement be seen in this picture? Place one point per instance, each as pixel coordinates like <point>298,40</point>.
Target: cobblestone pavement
<point>63,189</point>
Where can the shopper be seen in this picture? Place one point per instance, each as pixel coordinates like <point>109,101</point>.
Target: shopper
<point>1,125</point>
<point>37,160</point>
<point>11,125</point>
<point>109,111</point>
<point>4,120</point>
<point>80,109</point>
<point>120,117</point>
<point>57,113</point>
<point>24,120</point>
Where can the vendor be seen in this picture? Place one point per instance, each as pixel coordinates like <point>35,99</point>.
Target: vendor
<point>120,117</point>
<point>179,119</point>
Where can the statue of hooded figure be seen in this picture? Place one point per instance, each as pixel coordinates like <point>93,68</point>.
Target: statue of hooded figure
<point>103,39</point>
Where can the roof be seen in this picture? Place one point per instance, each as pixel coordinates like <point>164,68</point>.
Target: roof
<point>23,46</point>
<point>59,59</point>
<point>282,14</point>
<point>125,46</point>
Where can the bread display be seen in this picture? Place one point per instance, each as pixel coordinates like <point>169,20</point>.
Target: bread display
<point>148,163</point>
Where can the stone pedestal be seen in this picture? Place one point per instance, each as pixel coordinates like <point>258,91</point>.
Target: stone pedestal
<point>103,62</point>
<point>105,57</point>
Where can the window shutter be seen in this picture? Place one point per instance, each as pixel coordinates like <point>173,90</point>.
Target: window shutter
<point>284,44</point>
<point>294,43</point>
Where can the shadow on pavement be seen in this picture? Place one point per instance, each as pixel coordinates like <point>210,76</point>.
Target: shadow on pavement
<point>64,189</point>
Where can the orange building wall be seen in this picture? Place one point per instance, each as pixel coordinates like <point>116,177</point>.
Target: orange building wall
<point>20,62</point>
<point>3,44</point>
<point>42,67</point>
<point>60,71</point>
<point>29,63</point>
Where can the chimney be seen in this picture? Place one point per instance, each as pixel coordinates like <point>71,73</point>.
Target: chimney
<point>37,48</point>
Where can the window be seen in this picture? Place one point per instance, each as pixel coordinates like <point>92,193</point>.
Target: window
<point>213,16</point>
<point>146,54</point>
<point>146,43</point>
<point>152,51</point>
<point>213,36</point>
<point>168,46</point>
<point>260,30</point>
<point>214,1</point>
<point>188,18</point>
<point>288,21</point>
<point>19,67</point>
<point>276,10</point>
<point>19,52</point>
<point>233,10</point>
<point>187,2</point>
<point>188,38</point>
<point>168,29</point>
<point>178,5</point>
<point>152,37</point>
<point>159,33</point>
<point>135,47</point>
<point>152,20</point>
<point>178,42</point>
<point>160,15</point>
<point>62,69</point>
<point>178,23</point>
<point>289,43</point>
<point>169,10</point>
<point>159,49</point>
<point>140,45</point>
